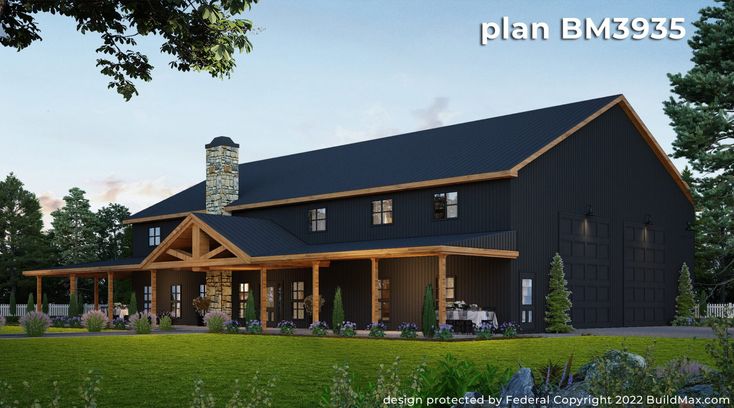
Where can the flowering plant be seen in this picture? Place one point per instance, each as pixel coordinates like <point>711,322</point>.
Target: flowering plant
<point>58,321</point>
<point>509,329</point>
<point>74,322</point>
<point>35,324</point>
<point>254,327</point>
<point>142,323</point>
<point>308,303</point>
<point>286,327</point>
<point>214,321</point>
<point>94,320</point>
<point>231,327</point>
<point>445,332</point>
<point>348,329</point>
<point>484,331</point>
<point>377,329</point>
<point>408,330</point>
<point>318,328</point>
<point>202,304</point>
<point>119,324</point>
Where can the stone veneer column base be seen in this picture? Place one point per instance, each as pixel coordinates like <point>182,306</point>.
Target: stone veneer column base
<point>219,290</point>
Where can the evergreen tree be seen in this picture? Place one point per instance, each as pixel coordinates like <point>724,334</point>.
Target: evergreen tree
<point>31,306</point>
<point>429,313</point>
<point>74,227</point>
<point>73,305</point>
<point>685,302</point>
<point>13,305</point>
<point>250,312</point>
<point>114,239</point>
<point>44,306</point>
<point>702,116</point>
<point>22,243</point>
<point>337,314</point>
<point>558,300</point>
<point>132,308</point>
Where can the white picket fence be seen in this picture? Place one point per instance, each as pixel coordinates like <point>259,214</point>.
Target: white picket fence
<point>720,310</point>
<point>54,309</point>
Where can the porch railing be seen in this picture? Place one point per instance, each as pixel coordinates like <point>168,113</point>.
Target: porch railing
<point>54,309</point>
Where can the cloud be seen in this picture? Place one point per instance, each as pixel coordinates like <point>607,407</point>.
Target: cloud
<point>132,193</point>
<point>50,203</point>
<point>435,115</point>
<point>375,122</point>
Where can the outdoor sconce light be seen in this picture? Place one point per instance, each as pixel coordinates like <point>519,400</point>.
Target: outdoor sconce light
<point>648,219</point>
<point>589,211</point>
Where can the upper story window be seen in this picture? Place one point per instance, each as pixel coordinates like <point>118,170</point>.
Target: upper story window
<point>317,219</point>
<point>154,236</point>
<point>445,205</point>
<point>382,212</point>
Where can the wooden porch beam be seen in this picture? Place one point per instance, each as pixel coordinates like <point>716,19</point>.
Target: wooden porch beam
<point>263,297</point>
<point>214,252</point>
<point>39,293</point>
<point>72,284</point>
<point>96,293</point>
<point>153,291</point>
<point>442,289</point>
<point>315,290</point>
<point>373,290</point>
<point>180,254</point>
<point>110,295</point>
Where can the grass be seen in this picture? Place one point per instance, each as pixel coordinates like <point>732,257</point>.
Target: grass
<point>19,330</point>
<point>159,370</point>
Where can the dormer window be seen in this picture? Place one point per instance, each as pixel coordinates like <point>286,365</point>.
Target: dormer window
<point>446,205</point>
<point>154,236</point>
<point>317,219</point>
<point>382,212</point>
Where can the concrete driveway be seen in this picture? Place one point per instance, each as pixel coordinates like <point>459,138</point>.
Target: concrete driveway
<point>652,331</point>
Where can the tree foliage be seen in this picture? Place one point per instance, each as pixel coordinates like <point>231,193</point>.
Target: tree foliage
<point>23,245</point>
<point>31,305</point>
<point>558,300</point>
<point>250,312</point>
<point>337,314</point>
<point>114,239</point>
<point>74,229</point>
<point>702,116</point>
<point>132,308</point>
<point>428,325</point>
<point>685,302</point>
<point>200,35</point>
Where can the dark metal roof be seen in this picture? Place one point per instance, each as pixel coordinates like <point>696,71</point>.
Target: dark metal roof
<point>221,141</point>
<point>259,237</point>
<point>111,262</point>
<point>482,146</point>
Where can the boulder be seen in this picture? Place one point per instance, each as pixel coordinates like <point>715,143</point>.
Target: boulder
<point>577,391</point>
<point>521,385</point>
<point>619,363</point>
<point>699,391</point>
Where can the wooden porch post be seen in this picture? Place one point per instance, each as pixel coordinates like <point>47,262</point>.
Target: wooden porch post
<point>315,290</point>
<point>373,289</point>
<point>72,284</point>
<point>153,290</point>
<point>110,295</point>
<point>39,292</point>
<point>442,289</point>
<point>96,293</point>
<point>263,297</point>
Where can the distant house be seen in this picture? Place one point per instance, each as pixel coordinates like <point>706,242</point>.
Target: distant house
<point>477,210</point>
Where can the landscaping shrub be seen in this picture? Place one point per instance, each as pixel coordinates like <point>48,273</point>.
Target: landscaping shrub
<point>337,315</point>
<point>408,330</point>
<point>429,313</point>
<point>484,331</point>
<point>250,312</point>
<point>94,320</point>
<point>12,304</point>
<point>553,376</point>
<point>377,329</point>
<point>348,329</point>
<point>509,329</point>
<point>119,324</point>
<point>558,300</point>
<point>141,323</point>
<point>165,323</point>
<point>721,351</point>
<point>74,322</point>
<point>232,327</point>
<point>453,377</point>
<point>202,304</point>
<point>58,321</point>
<point>31,306</point>
<point>685,302</point>
<point>44,304</point>
<point>73,306</point>
<point>318,328</point>
<point>132,308</point>
<point>35,324</point>
<point>254,327</point>
<point>214,321</point>
<point>445,332</point>
<point>286,327</point>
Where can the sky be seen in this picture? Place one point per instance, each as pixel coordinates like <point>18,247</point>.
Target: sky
<point>321,73</point>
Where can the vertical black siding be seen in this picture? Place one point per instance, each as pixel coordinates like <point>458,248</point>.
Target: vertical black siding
<point>189,282</point>
<point>140,235</point>
<point>608,165</point>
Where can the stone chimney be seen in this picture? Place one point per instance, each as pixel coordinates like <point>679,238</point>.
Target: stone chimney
<point>222,174</point>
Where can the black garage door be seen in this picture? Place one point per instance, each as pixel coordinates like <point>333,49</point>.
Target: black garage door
<point>584,245</point>
<point>644,275</point>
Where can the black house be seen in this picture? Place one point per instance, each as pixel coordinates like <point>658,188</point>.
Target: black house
<point>477,210</point>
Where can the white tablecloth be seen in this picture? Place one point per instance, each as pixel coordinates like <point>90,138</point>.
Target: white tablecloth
<point>476,316</point>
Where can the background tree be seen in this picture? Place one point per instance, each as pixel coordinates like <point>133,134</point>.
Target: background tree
<point>132,308</point>
<point>250,312</point>
<point>702,116</point>
<point>337,314</point>
<point>74,229</point>
<point>558,299</point>
<point>200,35</point>
<point>73,305</point>
<point>13,305</point>
<point>22,243</point>
<point>31,305</point>
<point>114,239</point>
<point>685,302</point>
<point>428,325</point>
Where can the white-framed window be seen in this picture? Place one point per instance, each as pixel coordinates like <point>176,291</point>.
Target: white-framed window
<point>450,289</point>
<point>317,219</point>
<point>446,205</point>
<point>527,292</point>
<point>526,316</point>
<point>299,295</point>
<point>382,212</point>
<point>175,300</point>
<point>154,236</point>
<point>202,290</point>
<point>147,298</point>
<point>383,301</point>
<point>243,294</point>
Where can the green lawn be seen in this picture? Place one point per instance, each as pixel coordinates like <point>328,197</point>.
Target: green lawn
<point>159,370</point>
<point>19,330</point>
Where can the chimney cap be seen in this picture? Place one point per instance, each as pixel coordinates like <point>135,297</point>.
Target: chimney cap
<point>222,141</point>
